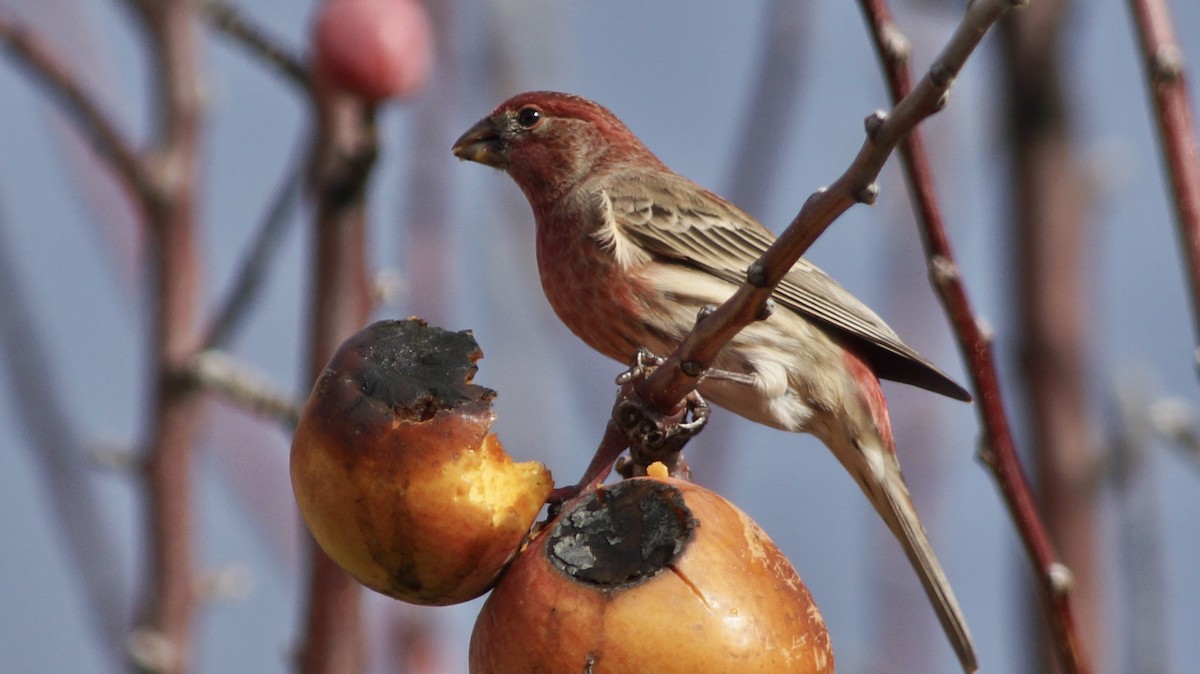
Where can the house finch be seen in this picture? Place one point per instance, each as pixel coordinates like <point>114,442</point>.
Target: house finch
<point>628,252</point>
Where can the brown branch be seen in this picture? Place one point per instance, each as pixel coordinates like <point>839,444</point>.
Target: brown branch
<point>234,310</point>
<point>771,103</point>
<point>666,386</point>
<point>230,21</point>
<point>32,53</point>
<point>237,383</point>
<point>976,345</point>
<point>1177,133</point>
<point>344,153</point>
<point>1051,300</point>
<point>170,601</point>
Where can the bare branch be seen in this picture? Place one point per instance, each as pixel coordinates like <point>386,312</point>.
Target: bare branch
<point>1163,61</point>
<point>975,344</point>
<point>234,381</point>
<point>252,272</point>
<point>343,155</point>
<point>1139,534</point>
<point>35,56</point>
<point>230,21</point>
<point>170,602</point>
<point>666,386</point>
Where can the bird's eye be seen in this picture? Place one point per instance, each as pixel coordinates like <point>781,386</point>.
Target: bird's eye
<point>529,117</point>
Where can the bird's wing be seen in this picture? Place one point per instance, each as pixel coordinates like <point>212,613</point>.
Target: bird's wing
<point>684,223</point>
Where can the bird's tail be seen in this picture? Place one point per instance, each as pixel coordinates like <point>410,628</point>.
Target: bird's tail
<point>894,505</point>
<point>868,452</point>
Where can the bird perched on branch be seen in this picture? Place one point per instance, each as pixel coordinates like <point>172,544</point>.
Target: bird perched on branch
<point>629,251</point>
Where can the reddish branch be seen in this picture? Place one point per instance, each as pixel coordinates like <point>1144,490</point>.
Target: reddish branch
<point>666,386</point>
<point>1172,105</point>
<point>1050,269</point>
<point>1000,454</point>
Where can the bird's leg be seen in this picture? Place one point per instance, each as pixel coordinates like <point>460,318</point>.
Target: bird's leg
<point>644,361</point>
<point>657,437</point>
<point>648,435</point>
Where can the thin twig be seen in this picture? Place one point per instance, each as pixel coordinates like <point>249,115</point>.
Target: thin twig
<point>976,345</point>
<point>1164,64</point>
<point>230,21</point>
<point>666,386</point>
<point>34,54</point>
<point>221,373</point>
<point>252,272</point>
<point>1140,528</point>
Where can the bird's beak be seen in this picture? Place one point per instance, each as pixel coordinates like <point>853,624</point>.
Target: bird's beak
<point>482,143</point>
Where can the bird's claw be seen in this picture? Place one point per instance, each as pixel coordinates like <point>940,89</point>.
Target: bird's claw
<point>643,362</point>
<point>659,437</point>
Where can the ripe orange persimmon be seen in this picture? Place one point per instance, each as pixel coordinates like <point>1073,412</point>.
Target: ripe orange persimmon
<point>397,475</point>
<point>650,575</point>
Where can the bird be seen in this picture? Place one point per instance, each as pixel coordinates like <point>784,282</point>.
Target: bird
<point>628,252</point>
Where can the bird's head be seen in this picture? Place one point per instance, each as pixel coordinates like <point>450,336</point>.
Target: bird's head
<point>548,142</point>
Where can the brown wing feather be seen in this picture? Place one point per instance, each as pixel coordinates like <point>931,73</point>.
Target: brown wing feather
<point>685,223</point>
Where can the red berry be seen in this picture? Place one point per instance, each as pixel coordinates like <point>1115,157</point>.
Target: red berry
<point>377,49</point>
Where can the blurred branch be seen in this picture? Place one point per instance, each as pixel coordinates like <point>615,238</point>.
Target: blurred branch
<point>1175,420</point>
<point>975,342</point>
<point>666,386</point>
<point>60,462</point>
<point>1051,283</point>
<point>252,272</point>
<point>1177,134</point>
<point>344,153</point>
<point>232,380</point>
<point>1139,531</point>
<point>230,21</point>
<point>771,103</point>
<point>34,54</point>
<point>165,628</point>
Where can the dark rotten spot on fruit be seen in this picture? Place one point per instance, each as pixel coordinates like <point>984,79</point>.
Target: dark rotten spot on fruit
<point>622,535</point>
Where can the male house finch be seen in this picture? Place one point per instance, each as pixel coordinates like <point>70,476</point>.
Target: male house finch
<point>629,251</point>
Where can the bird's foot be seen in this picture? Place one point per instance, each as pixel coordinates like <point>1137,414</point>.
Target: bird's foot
<point>644,362</point>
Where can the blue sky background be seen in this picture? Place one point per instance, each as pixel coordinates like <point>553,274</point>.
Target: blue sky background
<point>680,76</point>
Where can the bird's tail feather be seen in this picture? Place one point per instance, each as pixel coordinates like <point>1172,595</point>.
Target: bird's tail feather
<point>896,508</point>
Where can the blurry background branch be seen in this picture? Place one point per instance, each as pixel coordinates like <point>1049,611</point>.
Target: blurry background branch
<point>33,54</point>
<point>229,20</point>
<point>234,381</point>
<point>1050,288</point>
